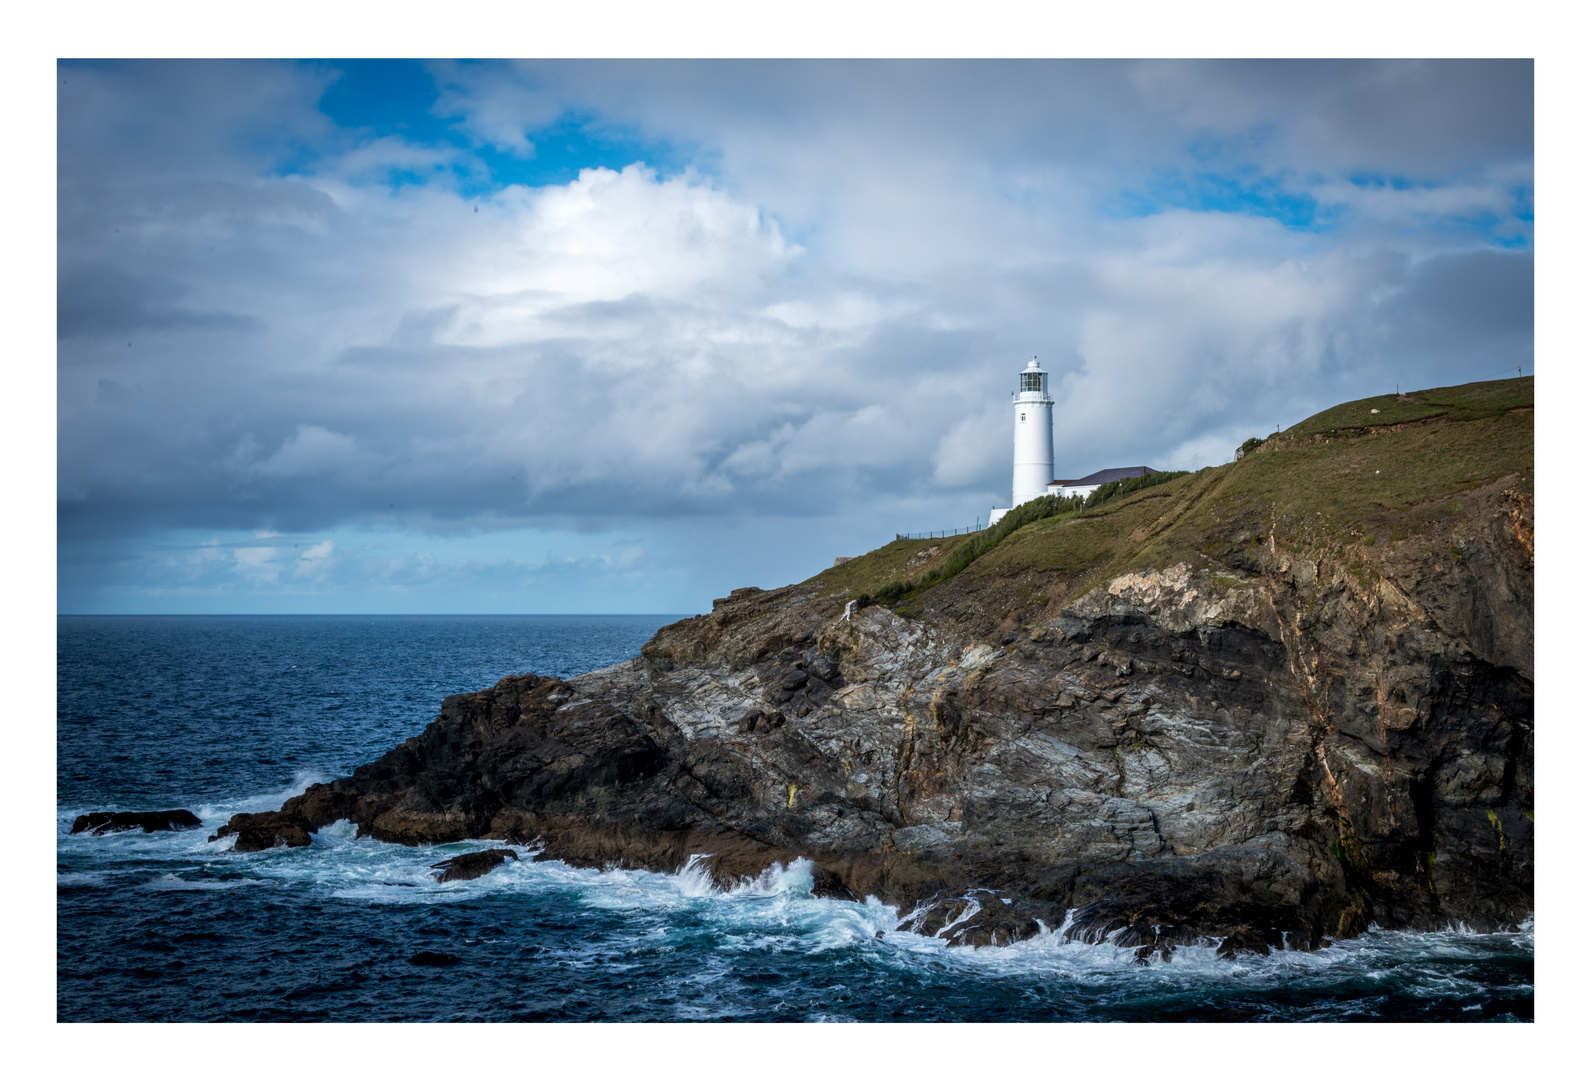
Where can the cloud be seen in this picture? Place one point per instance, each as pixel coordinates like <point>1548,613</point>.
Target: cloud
<point>257,564</point>
<point>813,314</point>
<point>311,450</point>
<point>107,301</point>
<point>557,253</point>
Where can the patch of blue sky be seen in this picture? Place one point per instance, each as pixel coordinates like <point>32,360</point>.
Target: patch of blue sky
<point>1211,151</point>
<point>1494,229</point>
<point>572,144</point>
<point>386,97</point>
<point>1514,230</point>
<point>1384,180</point>
<point>1524,203</point>
<point>1518,231</point>
<point>1253,195</point>
<point>374,99</point>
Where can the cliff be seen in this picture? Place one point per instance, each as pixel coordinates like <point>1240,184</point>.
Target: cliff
<point>1272,701</point>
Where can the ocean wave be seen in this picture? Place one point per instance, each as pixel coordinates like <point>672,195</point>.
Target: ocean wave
<point>173,883</point>
<point>265,801</point>
<point>714,937</point>
<point>775,914</point>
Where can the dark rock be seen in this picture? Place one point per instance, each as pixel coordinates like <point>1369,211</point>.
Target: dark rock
<point>434,959</point>
<point>981,917</point>
<point>1246,940</point>
<point>761,720</point>
<point>473,865</point>
<point>101,822</point>
<point>1369,757</point>
<point>1146,954</point>
<point>259,832</point>
<point>825,669</point>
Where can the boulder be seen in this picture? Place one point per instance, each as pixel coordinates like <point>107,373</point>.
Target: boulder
<point>1250,941</point>
<point>475,864</point>
<point>259,832</point>
<point>102,822</point>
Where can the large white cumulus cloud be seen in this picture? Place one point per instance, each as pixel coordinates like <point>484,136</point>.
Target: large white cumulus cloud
<point>821,318</point>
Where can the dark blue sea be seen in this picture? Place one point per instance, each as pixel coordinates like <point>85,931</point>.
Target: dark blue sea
<point>226,714</point>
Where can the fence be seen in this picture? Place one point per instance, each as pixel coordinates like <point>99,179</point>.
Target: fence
<point>937,535</point>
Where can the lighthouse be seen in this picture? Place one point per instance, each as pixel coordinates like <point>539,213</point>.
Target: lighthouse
<point>1033,456</point>
<point>1033,463</point>
<point>1033,452</point>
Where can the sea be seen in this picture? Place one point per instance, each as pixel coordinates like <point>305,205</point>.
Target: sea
<point>222,714</point>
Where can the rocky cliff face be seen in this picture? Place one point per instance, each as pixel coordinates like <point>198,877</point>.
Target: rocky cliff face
<point>1271,729</point>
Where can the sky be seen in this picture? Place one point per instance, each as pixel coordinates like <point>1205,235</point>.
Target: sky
<point>380,336</point>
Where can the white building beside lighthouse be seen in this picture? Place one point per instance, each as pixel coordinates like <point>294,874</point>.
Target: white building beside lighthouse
<point>1033,456</point>
<point>1033,459</point>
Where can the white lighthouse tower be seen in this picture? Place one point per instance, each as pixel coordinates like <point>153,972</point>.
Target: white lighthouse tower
<point>1033,457</point>
<point>1033,464</point>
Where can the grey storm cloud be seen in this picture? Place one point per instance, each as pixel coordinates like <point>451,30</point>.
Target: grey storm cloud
<point>820,312</point>
<point>106,300</point>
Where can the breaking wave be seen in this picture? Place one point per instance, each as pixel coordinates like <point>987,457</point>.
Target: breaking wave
<point>719,947</point>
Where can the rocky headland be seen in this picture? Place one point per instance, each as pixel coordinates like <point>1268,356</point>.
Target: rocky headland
<point>1269,703</point>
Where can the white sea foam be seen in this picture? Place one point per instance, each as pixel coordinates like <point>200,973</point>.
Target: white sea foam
<point>266,801</point>
<point>773,913</point>
<point>173,883</point>
<point>211,814</point>
<point>695,879</point>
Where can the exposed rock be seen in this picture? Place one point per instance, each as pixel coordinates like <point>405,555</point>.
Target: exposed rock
<point>1272,743</point>
<point>981,917</point>
<point>101,822</point>
<point>257,832</point>
<point>760,720</point>
<point>1147,954</point>
<point>1249,941</point>
<point>473,865</point>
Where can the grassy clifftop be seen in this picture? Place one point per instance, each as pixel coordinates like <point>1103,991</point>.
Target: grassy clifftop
<point>1472,401</point>
<point>1376,470</point>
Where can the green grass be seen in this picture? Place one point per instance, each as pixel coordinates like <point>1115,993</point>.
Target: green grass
<point>1472,401</point>
<point>1106,492</point>
<point>893,562</point>
<point>1099,537</point>
<point>989,539</point>
<point>896,570</point>
<point>1331,480</point>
